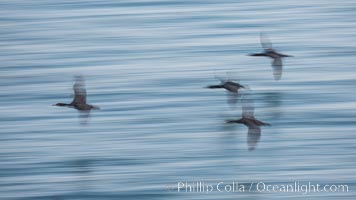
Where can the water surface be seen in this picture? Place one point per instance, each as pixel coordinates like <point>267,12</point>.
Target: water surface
<point>146,64</point>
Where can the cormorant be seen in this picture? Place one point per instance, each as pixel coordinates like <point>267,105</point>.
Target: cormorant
<point>248,119</point>
<point>232,87</point>
<point>270,52</point>
<point>80,97</point>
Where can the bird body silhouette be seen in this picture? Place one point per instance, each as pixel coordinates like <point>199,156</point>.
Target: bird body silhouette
<point>228,85</point>
<point>250,122</point>
<point>271,53</point>
<point>80,97</point>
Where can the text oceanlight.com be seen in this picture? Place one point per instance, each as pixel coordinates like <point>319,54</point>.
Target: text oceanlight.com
<point>263,187</point>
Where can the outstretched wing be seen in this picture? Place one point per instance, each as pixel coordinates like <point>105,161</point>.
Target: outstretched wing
<point>277,68</point>
<point>248,107</point>
<point>253,137</point>
<point>221,79</point>
<point>265,42</point>
<point>80,94</point>
<point>232,98</point>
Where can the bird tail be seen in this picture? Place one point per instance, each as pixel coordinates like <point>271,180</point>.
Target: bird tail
<point>260,123</point>
<point>95,107</point>
<point>266,124</point>
<point>284,55</point>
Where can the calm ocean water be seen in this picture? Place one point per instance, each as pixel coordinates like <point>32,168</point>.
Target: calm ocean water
<point>146,64</point>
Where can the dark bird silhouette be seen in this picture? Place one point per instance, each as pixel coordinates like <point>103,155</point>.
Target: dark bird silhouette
<point>249,120</point>
<point>80,97</point>
<point>232,88</point>
<point>228,85</point>
<point>270,52</point>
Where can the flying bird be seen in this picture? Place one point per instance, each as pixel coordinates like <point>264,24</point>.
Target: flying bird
<point>270,52</point>
<point>232,88</point>
<point>80,97</point>
<point>249,120</point>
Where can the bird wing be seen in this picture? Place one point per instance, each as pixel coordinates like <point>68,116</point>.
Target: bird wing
<point>232,98</point>
<point>221,79</point>
<point>253,137</point>
<point>248,108</point>
<point>277,68</point>
<point>80,94</point>
<point>265,41</point>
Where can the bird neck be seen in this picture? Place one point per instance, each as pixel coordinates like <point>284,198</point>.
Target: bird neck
<point>63,104</point>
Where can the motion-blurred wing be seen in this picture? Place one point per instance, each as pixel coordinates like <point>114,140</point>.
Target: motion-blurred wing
<point>253,137</point>
<point>277,68</point>
<point>232,98</point>
<point>265,42</point>
<point>233,76</point>
<point>221,79</point>
<point>84,116</point>
<point>248,107</point>
<point>80,94</point>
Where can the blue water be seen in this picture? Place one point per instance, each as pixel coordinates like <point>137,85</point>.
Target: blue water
<point>146,64</point>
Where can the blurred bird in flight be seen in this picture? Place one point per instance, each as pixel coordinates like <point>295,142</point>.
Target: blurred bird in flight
<point>249,120</point>
<point>270,52</point>
<point>232,88</point>
<point>80,97</point>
